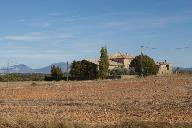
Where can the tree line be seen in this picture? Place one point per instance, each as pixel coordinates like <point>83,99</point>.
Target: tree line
<point>22,77</point>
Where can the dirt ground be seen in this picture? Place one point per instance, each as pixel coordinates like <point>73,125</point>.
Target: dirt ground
<point>153,99</point>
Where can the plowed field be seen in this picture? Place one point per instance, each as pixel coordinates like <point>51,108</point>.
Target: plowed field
<point>154,99</point>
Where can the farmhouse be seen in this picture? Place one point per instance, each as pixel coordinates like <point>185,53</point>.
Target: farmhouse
<point>117,60</point>
<point>123,60</point>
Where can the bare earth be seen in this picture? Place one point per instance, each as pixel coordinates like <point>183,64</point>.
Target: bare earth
<point>154,99</point>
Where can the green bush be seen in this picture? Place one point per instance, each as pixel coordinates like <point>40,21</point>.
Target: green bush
<point>34,84</point>
<point>119,71</point>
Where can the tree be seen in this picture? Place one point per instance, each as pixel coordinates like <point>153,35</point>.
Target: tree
<point>75,69</point>
<point>148,64</point>
<point>119,71</point>
<point>103,63</point>
<point>56,72</point>
<point>83,70</point>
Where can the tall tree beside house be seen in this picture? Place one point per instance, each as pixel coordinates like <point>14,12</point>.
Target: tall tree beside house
<point>148,64</point>
<point>56,72</point>
<point>103,63</point>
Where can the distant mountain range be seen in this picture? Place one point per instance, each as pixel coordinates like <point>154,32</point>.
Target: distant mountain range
<point>181,69</point>
<point>22,68</point>
<point>47,69</point>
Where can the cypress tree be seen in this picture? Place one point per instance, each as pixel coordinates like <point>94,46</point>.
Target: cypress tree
<point>103,63</point>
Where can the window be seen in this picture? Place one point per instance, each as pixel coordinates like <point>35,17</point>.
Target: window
<point>167,67</point>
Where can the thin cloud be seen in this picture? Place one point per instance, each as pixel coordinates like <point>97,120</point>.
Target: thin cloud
<point>188,11</point>
<point>35,36</point>
<point>17,38</point>
<point>55,13</point>
<point>21,20</point>
<point>34,56</point>
<point>20,38</point>
<point>40,24</point>
<point>157,22</point>
<point>30,37</point>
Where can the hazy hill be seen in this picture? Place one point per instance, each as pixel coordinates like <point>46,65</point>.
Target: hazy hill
<point>47,69</point>
<point>22,68</point>
<point>181,69</point>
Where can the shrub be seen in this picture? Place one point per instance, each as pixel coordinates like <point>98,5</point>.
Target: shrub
<point>119,71</point>
<point>34,84</point>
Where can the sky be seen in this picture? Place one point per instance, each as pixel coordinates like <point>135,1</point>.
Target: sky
<point>41,32</point>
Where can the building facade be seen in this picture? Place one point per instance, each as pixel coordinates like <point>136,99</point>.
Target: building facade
<point>123,59</point>
<point>164,68</point>
<point>116,60</point>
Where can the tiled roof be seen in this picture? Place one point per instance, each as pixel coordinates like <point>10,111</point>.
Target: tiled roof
<point>162,63</point>
<point>120,55</point>
<point>111,63</point>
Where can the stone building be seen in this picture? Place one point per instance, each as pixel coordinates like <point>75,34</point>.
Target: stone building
<point>164,68</point>
<point>123,60</point>
<point>117,60</point>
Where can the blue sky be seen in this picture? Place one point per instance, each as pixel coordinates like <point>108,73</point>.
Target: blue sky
<point>41,32</point>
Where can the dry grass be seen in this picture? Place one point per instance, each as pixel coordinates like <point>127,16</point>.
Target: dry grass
<point>23,121</point>
<point>97,103</point>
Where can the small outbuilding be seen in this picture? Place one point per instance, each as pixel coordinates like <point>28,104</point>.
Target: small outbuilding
<point>164,68</point>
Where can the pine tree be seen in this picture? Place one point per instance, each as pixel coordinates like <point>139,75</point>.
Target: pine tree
<point>56,72</point>
<point>148,64</point>
<point>84,69</point>
<point>103,63</point>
